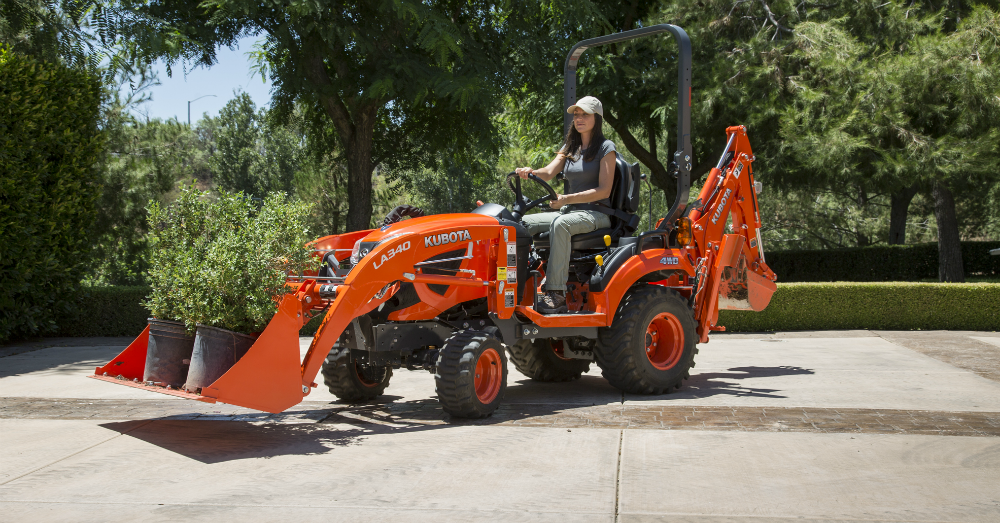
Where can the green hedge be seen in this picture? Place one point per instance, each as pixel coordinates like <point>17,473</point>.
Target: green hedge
<point>107,311</point>
<point>882,263</point>
<point>117,311</point>
<point>883,306</point>
<point>50,145</point>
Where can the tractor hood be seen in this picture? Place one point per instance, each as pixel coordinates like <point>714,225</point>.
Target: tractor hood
<point>425,232</point>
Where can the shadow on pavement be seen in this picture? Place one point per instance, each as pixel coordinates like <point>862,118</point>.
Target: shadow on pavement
<point>218,441</point>
<point>710,384</point>
<point>221,441</point>
<point>323,428</point>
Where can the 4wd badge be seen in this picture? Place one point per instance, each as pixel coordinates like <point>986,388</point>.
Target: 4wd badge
<point>669,260</point>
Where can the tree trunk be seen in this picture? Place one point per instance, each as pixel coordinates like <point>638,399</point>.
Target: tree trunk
<point>354,121</point>
<point>949,245</point>
<point>359,178</point>
<point>898,211</point>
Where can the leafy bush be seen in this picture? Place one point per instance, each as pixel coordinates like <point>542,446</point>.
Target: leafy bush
<point>882,263</point>
<point>108,311</point>
<point>248,261</point>
<point>49,148</point>
<point>222,262</point>
<point>887,306</point>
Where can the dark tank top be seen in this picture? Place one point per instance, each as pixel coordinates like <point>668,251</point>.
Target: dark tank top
<point>582,176</point>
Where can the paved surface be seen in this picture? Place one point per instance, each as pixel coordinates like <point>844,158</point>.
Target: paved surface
<point>820,426</point>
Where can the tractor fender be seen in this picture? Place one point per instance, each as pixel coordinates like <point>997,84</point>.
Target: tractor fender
<point>648,265</point>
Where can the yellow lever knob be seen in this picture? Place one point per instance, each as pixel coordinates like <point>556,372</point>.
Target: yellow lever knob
<point>599,259</point>
<point>607,240</point>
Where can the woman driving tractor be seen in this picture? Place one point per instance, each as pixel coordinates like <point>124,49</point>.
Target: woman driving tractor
<point>587,160</point>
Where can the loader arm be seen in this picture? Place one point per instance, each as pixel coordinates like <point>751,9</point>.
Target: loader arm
<point>731,273</point>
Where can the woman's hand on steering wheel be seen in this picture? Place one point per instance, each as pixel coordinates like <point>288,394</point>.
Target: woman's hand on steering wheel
<point>559,201</point>
<point>521,203</point>
<point>524,172</point>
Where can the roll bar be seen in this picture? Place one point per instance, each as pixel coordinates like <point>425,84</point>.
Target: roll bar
<point>682,157</point>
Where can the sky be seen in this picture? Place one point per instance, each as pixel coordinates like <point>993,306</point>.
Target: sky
<point>231,72</point>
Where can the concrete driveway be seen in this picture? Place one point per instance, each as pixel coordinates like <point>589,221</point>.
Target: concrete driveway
<point>816,426</point>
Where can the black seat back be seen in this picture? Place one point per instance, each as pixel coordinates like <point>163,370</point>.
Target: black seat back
<point>625,194</point>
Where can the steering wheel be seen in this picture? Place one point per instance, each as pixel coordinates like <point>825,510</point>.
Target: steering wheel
<point>521,202</point>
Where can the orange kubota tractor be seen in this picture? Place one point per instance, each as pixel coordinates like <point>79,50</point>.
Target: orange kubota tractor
<point>453,293</point>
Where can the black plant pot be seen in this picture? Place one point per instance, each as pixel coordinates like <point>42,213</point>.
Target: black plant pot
<point>168,353</point>
<point>215,352</point>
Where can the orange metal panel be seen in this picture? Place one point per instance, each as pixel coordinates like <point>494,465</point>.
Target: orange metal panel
<point>564,320</point>
<point>131,362</point>
<point>268,376</point>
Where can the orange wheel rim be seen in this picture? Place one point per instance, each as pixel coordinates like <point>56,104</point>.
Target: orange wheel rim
<point>664,341</point>
<point>361,377</point>
<point>489,376</point>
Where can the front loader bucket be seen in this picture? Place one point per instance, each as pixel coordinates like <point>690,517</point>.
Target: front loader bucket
<point>267,378</point>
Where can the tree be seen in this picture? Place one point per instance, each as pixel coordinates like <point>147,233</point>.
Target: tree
<point>256,155</point>
<point>50,149</point>
<point>398,80</point>
<point>144,161</point>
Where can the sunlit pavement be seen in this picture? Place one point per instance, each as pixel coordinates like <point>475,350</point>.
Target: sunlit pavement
<point>823,426</point>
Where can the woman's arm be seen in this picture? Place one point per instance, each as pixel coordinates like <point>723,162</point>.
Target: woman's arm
<point>546,173</point>
<point>602,191</point>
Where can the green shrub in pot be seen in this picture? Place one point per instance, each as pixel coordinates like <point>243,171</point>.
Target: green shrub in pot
<point>179,239</point>
<point>253,247</point>
<point>242,277</point>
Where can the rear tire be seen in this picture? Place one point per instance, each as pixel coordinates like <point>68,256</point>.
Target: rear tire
<point>650,346</point>
<point>540,361</point>
<point>352,382</point>
<point>471,375</point>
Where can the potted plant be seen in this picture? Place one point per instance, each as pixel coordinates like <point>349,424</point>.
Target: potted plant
<point>178,242</point>
<point>250,248</point>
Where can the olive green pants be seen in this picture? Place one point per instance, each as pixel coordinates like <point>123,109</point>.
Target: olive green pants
<point>562,227</point>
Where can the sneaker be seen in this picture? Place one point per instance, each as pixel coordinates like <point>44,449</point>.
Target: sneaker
<point>552,302</point>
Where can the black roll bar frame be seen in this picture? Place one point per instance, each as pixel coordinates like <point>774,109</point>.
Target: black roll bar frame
<point>682,157</point>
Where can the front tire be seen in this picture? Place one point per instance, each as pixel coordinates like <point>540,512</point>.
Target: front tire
<point>650,346</point>
<point>541,361</point>
<point>471,375</point>
<point>352,382</point>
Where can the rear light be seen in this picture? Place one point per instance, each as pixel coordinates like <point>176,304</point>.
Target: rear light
<point>684,236</point>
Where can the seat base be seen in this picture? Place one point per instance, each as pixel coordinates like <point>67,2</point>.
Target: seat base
<point>593,240</point>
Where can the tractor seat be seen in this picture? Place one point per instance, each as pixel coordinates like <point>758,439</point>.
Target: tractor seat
<point>624,198</point>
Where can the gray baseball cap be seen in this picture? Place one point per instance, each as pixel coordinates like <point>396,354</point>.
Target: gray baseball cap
<point>589,105</point>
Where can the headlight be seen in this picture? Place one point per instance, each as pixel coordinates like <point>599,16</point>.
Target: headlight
<point>356,252</point>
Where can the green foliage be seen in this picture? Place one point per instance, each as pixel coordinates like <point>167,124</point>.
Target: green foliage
<point>400,81</point>
<point>144,161</point>
<point>845,102</point>
<point>254,156</point>
<point>883,306</point>
<point>879,263</point>
<point>248,261</point>
<point>179,237</point>
<point>50,145</point>
<point>107,311</point>
<point>223,262</point>
<point>48,31</point>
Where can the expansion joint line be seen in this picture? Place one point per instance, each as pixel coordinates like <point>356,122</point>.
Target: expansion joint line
<point>618,473</point>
